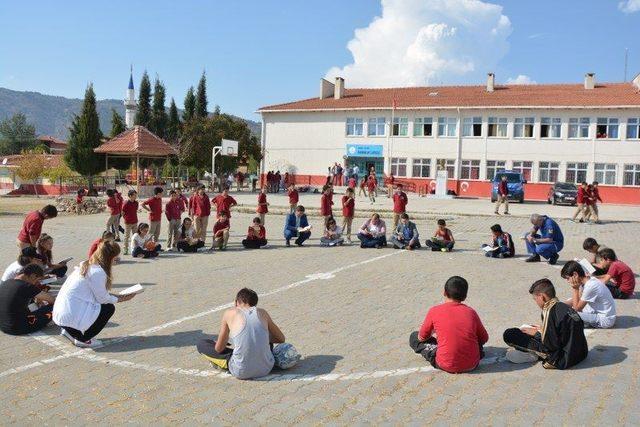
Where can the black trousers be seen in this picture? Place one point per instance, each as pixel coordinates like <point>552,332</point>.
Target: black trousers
<point>184,246</point>
<point>616,292</point>
<point>207,348</point>
<point>106,311</point>
<point>60,271</point>
<point>35,321</point>
<point>254,243</point>
<point>517,339</point>
<point>426,348</point>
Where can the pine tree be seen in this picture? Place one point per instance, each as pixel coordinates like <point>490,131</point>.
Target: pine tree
<point>16,134</point>
<point>117,123</point>
<point>216,110</point>
<point>173,127</point>
<point>159,117</point>
<point>85,135</point>
<point>189,105</point>
<point>143,115</point>
<point>201,98</point>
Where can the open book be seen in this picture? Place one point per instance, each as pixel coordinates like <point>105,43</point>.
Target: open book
<point>66,260</point>
<point>135,289</point>
<point>490,248</point>
<point>586,266</point>
<point>48,280</point>
<point>307,228</point>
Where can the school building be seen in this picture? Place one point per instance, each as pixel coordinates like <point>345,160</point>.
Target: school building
<point>548,132</point>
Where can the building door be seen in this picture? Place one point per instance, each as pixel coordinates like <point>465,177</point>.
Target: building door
<point>366,163</point>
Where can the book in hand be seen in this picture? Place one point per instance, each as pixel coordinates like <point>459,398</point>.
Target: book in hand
<point>490,248</point>
<point>47,280</point>
<point>586,266</point>
<point>66,260</point>
<point>307,228</point>
<point>135,289</point>
<point>526,326</point>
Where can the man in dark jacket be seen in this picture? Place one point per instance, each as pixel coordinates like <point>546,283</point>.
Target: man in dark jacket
<point>502,196</point>
<point>559,342</point>
<point>297,225</point>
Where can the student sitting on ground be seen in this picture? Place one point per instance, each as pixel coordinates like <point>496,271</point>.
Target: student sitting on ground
<point>28,255</point>
<point>619,278</point>
<point>501,245</point>
<point>143,244</point>
<point>559,342</point>
<point>332,234</point>
<point>106,235</point>
<point>442,239</point>
<point>297,225</point>
<point>405,236</point>
<point>458,328</point>
<point>256,235</point>
<point>187,241</point>
<point>252,333</point>
<point>24,307</point>
<point>84,305</point>
<point>590,297</point>
<point>592,246</point>
<point>221,232</point>
<point>45,245</point>
<point>373,233</point>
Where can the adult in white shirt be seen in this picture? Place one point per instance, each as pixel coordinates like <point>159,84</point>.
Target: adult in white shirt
<point>590,297</point>
<point>373,233</point>
<point>84,305</point>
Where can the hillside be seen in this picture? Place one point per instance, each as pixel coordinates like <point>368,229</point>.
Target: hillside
<point>52,115</point>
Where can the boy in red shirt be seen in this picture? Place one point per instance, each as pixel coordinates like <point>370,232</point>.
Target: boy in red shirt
<point>200,208</point>
<point>224,202</point>
<point>372,183</point>
<point>221,232</point>
<point>348,211</point>
<point>130,215</point>
<point>182,201</point>
<point>263,206</point>
<point>400,201</point>
<point>325,204</point>
<point>106,235</point>
<point>459,330</point>
<point>595,194</point>
<point>352,183</point>
<point>172,211</point>
<point>80,200</point>
<point>154,207</point>
<point>619,277</point>
<point>580,201</point>
<point>115,208</point>
<point>294,197</point>
<point>32,226</point>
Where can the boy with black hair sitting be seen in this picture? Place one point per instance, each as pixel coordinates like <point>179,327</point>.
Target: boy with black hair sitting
<point>501,245</point>
<point>442,239</point>
<point>619,277</point>
<point>559,341</point>
<point>590,297</point>
<point>592,246</point>
<point>459,330</point>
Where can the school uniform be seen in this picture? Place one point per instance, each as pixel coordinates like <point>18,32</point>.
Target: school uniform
<point>255,240</point>
<point>172,212</point>
<point>372,183</point>
<point>580,199</point>
<point>221,233</point>
<point>400,201</point>
<point>201,209</point>
<point>115,209</point>
<point>130,215</point>
<point>224,204</point>
<point>155,216</point>
<point>294,197</point>
<point>31,227</point>
<point>262,208</point>
<point>348,212</point>
<point>502,197</point>
<point>325,207</point>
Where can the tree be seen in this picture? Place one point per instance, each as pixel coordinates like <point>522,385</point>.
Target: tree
<point>84,136</point>
<point>117,124</point>
<point>16,135</point>
<point>143,115</point>
<point>189,105</point>
<point>201,98</point>
<point>159,116</point>
<point>173,127</point>
<point>216,110</point>
<point>59,173</point>
<point>31,166</point>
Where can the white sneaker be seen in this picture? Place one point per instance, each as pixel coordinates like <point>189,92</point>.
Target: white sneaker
<point>170,250</point>
<point>66,334</point>
<point>517,356</point>
<point>92,343</point>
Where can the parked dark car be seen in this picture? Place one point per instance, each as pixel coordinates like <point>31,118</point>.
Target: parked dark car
<point>562,192</point>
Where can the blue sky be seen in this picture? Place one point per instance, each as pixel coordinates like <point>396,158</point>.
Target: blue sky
<point>262,52</point>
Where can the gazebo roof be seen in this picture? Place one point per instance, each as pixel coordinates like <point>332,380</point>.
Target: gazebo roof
<point>137,141</point>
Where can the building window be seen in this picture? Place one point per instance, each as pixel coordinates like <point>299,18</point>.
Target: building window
<point>633,128</point>
<point>548,171</point>
<point>606,173</point>
<point>579,128</point>
<point>400,126</point>
<point>449,165</point>
<point>423,126</point>
<point>494,166</point>
<point>376,126</point>
<point>607,128</point>
<point>470,169</point>
<point>497,127</point>
<point>399,166</point>
<point>421,168</point>
<point>523,127</point>
<point>447,126</point>
<point>472,126</point>
<point>524,167</point>
<point>550,127</point>
<point>576,172</point>
<point>355,126</point>
<point>631,175</point>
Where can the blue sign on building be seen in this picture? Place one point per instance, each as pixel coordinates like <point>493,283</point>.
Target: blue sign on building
<point>361,150</point>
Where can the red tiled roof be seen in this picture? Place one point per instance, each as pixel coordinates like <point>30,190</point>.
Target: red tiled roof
<point>519,96</point>
<point>53,160</point>
<point>137,140</point>
<point>53,142</point>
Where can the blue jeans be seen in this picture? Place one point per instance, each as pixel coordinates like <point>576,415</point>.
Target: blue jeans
<point>371,242</point>
<point>301,237</point>
<point>545,250</point>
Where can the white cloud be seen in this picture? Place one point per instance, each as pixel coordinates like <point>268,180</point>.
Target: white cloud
<point>422,42</point>
<point>522,79</point>
<point>629,6</point>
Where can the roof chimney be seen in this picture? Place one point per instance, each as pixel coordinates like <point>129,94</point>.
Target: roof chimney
<point>326,89</point>
<point>491,82</point>
<point>636,81</point>
<point>339,88</point>
<point>589,81</point>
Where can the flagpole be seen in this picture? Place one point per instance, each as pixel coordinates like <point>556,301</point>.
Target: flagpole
<point>393,105</point>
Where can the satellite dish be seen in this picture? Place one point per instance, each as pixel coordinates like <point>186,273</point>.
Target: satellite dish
<point>4,161</point>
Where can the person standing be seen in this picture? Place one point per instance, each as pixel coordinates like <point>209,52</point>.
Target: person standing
<point>115,209</point>
<point>294,197</point>
<point>372,183</point>
<point>130,215</point>
<point>502,196</point>
<point>224,202</point>
<point>595,193</point>
<point>200,210</point>
<point>154,206</point>
<point>400,201</point>
<point>348,212</point>
<point>580,201</point>
<point>263,206</point>
<point>172,212</point>
<point>356,172</point>
<point>32,226</point>
<point>326,210</point>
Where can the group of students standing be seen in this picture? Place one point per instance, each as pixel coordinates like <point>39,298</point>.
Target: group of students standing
<point>587,200</point>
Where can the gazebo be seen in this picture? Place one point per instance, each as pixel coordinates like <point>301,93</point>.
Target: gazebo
<point>135,143</point>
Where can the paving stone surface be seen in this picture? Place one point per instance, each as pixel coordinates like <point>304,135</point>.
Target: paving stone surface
<point>349,311</point>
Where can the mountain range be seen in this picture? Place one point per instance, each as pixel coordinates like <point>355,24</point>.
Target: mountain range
<point>52,115</point>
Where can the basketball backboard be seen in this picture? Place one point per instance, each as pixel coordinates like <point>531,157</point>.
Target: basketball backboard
<point>229,148</point>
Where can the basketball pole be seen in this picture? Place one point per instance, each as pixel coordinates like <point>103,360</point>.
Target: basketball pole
<point>214,152</point>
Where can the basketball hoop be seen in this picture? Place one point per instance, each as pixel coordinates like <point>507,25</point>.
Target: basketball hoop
<point>229,148</point>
